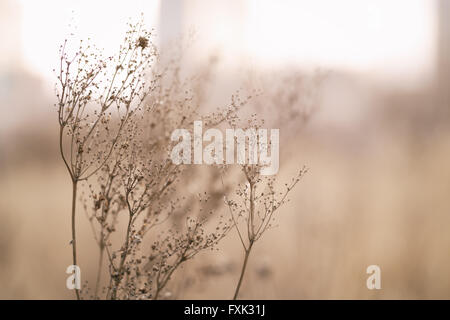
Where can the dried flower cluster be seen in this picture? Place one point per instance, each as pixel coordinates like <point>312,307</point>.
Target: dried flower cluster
<point>116,116</point>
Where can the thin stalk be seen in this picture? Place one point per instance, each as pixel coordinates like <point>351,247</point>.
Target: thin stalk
<point>74,239</point>
<point>244,267</point>
<point>99,269</point>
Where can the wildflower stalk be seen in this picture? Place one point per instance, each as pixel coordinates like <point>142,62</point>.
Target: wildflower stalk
<point>251,236</point>
<point>74,239</point>
<point>74,201</point>
<point>258,218</point>
<point>99,268</point>
<point>244,266</point>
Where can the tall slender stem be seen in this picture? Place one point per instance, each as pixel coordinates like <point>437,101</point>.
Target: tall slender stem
<point>244,267</point>
<point>74,239</point>
<point>99,271</point>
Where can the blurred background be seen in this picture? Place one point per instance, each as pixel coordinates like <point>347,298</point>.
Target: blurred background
<point>377,142</point>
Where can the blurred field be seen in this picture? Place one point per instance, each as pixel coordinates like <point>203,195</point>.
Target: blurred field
<point>364,201</point>
<point>377,143</point>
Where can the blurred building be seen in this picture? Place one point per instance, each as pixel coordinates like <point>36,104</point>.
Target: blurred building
<point>443,53</point>
<point>22,101</point>
<point>171,20</point>
<point>227,26</point>
<point>9,33</point>
<point>217,26</point>
<point>9,46</point>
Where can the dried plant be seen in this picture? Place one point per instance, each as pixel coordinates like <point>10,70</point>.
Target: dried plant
<point>256,205</point>
<point>256,199</point>
<point>96,96</point>
<point>139,180</point>
<point>116,117</point>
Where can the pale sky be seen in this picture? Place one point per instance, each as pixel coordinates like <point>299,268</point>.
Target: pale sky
<point>389,38</point>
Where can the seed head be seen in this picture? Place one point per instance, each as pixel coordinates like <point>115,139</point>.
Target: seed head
<point>142,42</point>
